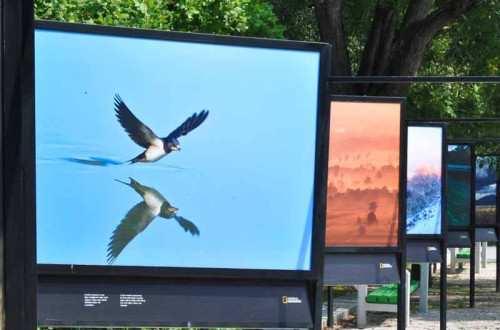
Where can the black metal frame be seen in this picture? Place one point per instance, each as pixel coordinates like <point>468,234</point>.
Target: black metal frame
<point>471,228</point>
<point>400,249</point>
<point>476,156</point>
<point>458,120</point>
<point>476,141</point>
<point>414,79</point>
<point>441,238</point>
<point>17,165</point>
<point>496,226</point>
<point>204,38</point>
<point>497,286</point>
<point>314,276</point>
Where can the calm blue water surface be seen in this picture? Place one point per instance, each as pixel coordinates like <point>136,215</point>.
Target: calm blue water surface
<point>244,177</point>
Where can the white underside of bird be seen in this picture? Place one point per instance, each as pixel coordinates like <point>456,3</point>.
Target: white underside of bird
<point>153,202</point>
<point>155,151</point>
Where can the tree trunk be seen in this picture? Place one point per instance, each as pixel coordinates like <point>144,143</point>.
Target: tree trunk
<point>417,10</point>
<point>331,28</point>
<point>377,49</point>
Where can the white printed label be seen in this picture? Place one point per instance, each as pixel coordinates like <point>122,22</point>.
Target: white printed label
<point>93,299</point>
<point>131,299</point>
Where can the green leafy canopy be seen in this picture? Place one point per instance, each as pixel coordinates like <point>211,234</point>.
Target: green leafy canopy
<point>231,17</point>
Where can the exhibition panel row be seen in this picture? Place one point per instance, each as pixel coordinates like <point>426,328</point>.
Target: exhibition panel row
<point>192,180</point>
<point>386,193</point>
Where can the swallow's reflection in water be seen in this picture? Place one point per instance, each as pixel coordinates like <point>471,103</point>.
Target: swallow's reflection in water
<point>141,215</point>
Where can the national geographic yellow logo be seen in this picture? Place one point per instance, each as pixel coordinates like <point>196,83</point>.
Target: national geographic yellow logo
<point>291,300</point>
<point>384,265</point>
<point>431,248</point>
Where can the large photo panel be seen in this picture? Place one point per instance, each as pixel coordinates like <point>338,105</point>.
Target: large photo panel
<point>424,180</point>
<point>486,190</point>
<point>458,191</point>
<point>363,174</point>
<point>154,152</point>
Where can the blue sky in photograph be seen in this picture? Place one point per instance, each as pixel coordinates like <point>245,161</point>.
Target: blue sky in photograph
<point>244,177</point>
<point>425,156</point>
<point>425,150</point>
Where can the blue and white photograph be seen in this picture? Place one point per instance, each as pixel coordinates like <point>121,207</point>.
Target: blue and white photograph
<point>486,190</point>
<point>174,154</point>
<point>424,193</point>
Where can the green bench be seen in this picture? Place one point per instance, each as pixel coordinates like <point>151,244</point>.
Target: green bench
<point>383,299</point>
<point>464,256</point>
<point>458,256</point>
<point>464,253</point>
<point>388,294</point>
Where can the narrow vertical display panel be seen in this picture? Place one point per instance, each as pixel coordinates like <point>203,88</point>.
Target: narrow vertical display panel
<point>425,200</point>
<point>364,174</point>
<point>424,180</point>
<point>486,190</point>
<point>459,186</point>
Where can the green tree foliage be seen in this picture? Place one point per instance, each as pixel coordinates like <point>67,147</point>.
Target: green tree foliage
<point>299,18</point>
<point>233,17</point>
<point>469,47</point>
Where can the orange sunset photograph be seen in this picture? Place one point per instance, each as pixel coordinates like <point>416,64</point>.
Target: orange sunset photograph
<point>363,174</point>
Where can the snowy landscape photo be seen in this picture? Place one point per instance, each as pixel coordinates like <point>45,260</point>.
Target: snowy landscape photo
<point>424,180</point>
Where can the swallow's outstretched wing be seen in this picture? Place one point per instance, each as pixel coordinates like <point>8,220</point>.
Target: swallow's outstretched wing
<point>188,125</point>
<point>135,221</point>
<point>138,132</point>
<point>188,226</point>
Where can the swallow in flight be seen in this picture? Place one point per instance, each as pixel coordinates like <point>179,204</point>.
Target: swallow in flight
<point>156,148</point>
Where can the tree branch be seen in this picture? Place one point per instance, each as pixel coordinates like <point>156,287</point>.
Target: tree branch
<point>417,11</point>
<point>434,22</point>
<point>378,46</point>
<point>409,48</point>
